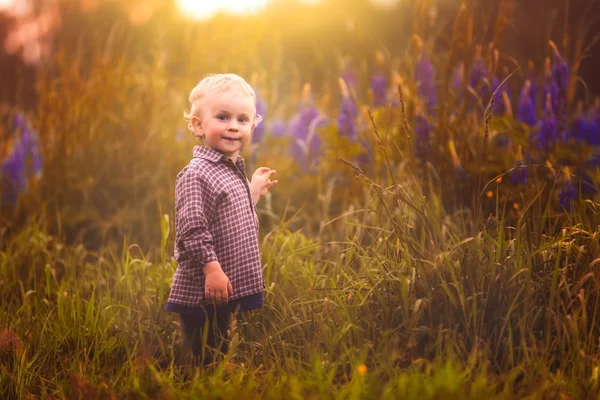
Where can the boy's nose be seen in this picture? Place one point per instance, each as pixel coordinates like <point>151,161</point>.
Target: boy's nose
<point>233,126</point>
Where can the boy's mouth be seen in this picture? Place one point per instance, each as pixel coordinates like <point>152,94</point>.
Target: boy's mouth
<point>233,139</point>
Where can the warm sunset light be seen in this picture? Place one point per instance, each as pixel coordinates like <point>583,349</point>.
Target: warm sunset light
<point>14,7</point>
<point>205,10</point>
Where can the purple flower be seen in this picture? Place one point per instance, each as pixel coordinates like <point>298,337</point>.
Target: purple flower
<point>349,76</point>
<point>478,72</point>
<point>13,177</point>
<point>278,128</point>
<point>379,86</point>
<point>259,130</point>
<point>593,161</point>
<point>518,175</point>
<point>568,194</point>
<point>304,138</point>
<point>422,139</point>
<point>586,184</point>
<point>347,117</point>
<point>526,108</point>
<point>425,81</point>
<point>23,161</point>
<point>548,129</point>
<point>578,129</point>
<point>592,132</point>
<point>550,87</point>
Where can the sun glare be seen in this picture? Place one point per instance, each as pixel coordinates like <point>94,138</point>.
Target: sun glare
<point>15,7</point>
<point>204,10</point>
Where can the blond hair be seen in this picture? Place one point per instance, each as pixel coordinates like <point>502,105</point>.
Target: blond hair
<point>214,83</point>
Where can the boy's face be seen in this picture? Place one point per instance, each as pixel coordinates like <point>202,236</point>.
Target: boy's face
<point>226,121</point>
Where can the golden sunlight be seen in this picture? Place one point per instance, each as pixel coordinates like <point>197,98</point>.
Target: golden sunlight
<point>204,10</point>
<point>15,7</point>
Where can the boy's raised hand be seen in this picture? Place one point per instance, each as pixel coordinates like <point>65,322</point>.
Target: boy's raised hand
<point>261,182</point>
<point>217,287</point>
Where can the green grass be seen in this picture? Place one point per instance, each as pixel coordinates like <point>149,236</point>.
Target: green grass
<point>488,316</point>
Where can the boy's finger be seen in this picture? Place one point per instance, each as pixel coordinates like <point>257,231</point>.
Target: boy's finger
<point>229,288</point>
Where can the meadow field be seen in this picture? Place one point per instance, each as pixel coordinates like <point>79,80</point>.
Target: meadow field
<point>434,232</point>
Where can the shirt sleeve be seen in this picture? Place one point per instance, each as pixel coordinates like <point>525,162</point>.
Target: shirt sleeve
<point>194,203</point>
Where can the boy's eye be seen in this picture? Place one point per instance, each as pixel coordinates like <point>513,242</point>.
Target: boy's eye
<point>243,119</point>
<point>222,117</point>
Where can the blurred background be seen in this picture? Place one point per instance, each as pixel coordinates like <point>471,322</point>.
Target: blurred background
<point>93,93</point>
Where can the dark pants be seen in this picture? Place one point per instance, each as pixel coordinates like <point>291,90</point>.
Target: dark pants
<point>206,337</point>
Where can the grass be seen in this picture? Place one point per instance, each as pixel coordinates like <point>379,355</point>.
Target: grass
<point>497,315</point>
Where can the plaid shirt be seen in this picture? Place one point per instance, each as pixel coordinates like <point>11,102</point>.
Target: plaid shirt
<point>215,219</point>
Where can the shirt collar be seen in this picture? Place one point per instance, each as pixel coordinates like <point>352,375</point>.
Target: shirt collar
<point>213,155</point>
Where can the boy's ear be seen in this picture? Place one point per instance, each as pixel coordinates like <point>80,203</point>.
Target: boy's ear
<point>197,125</point>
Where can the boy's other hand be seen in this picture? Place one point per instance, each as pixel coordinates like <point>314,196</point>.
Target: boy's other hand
<point>261,182</point>
<point>217,287</point>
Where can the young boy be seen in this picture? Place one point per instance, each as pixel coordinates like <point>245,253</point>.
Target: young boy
<point>216,227</point>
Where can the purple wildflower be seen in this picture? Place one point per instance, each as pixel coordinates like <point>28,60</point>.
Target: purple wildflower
<point>278,128</point>
<point>592,132</point>
<point>593,161</point>
<point>259,130</point>
<point>350,78</point>
<point>23,161</point>
<point>379,87</point>
<point>548,129</point>
<point>587,185</point>
<point>304,127</point>
<point>29,144</point>
<point>560,69</point>
<point>518,175</point>
<point>13,177</point>
<point>478,72</point>
<point>422,137</point>
<point>526,108</point>
<point>567,195</point>
<point>550,87</point>
<point>425,80</point>
<point>299,125</point>
<point>347,117</point>
<point>578,129</point>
